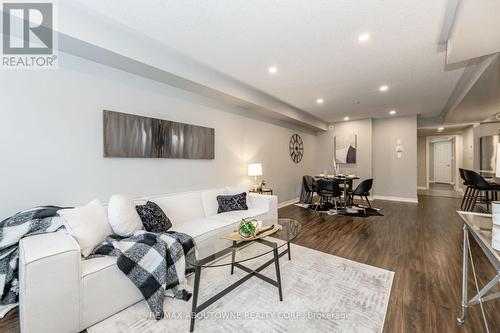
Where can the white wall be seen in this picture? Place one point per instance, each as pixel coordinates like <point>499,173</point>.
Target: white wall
<point>376,157</point>
<point>468,152</point>
<point>421,161</point>
<point>363,130</point>
<point>393,176</point>
<point>52,139</point>
<point>483,129</point>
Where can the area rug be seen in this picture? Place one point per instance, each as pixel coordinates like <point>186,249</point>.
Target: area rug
<point>326,208</point>
<point>360,212</point>
<point>321,293</point>
<point>355,211</point>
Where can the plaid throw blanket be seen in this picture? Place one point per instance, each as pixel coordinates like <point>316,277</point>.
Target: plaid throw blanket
<point>154,262</point>
<point>26,223</point>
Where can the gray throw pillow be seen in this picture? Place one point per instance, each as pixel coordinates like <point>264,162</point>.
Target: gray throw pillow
<point>229,203</point>
<point>153,218</point>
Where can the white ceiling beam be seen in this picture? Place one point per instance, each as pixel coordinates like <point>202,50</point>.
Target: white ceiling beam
<point>473,71</point>
<point>475,31</point>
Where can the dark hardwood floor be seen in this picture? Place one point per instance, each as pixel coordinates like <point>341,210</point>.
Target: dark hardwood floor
<point>421,243</point>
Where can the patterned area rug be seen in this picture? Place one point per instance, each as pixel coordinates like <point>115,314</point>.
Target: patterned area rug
<point>357,210</point>
<point>321,293</point>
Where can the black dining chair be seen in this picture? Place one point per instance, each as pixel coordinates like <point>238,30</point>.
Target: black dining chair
<point>308,189</point>
<point>327,190</point>
<point>479,184</point>
<point>363,190</point>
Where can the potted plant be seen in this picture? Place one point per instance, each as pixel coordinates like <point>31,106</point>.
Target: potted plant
<point>248,228</point>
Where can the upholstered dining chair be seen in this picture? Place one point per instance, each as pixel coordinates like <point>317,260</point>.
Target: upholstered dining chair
<point>327,190</point>
<point>363,190</point>
<point>308,189</point>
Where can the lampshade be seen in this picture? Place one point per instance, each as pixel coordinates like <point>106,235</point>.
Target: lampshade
<point>255,169</point>
<point>497,173</point>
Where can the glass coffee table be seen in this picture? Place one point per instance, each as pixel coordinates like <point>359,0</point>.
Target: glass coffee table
<point>217,251</point>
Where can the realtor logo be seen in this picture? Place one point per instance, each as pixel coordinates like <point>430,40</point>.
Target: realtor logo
<point>28,35</point>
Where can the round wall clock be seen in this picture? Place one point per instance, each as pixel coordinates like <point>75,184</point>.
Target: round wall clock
<point>296,148</point>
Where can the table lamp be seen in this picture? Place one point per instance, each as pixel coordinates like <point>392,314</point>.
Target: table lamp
<point>255,169</point>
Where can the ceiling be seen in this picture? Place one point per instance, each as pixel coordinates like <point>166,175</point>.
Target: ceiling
<point>313,44</point>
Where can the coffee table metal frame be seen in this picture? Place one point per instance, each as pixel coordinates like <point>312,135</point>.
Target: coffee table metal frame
<point>251,272</point>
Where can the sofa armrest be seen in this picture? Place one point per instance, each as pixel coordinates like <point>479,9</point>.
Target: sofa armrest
<point>49,283</point>
<point>268,202</point>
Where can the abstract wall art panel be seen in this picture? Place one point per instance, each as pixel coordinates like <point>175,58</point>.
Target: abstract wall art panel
<point>128,135</point>
<point>345,148</point>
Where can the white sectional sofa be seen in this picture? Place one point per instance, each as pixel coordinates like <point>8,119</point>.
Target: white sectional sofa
<point>61,293</point>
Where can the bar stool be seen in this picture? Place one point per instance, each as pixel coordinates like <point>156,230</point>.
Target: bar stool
<point>479,184</point>
<point>468,189</point>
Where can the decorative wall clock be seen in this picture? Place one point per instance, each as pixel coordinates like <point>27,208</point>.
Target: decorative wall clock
<point>296,148</point>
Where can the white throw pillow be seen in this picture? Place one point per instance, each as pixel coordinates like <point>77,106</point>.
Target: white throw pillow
<point>123,217</point>
<point>88,224</point>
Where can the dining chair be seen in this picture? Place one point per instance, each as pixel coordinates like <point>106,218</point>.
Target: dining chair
<point>327,191</point>
<point>363,190</point>
<point>309,187</point>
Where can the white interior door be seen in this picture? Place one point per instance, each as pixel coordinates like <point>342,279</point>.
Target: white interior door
<point>442,162</point>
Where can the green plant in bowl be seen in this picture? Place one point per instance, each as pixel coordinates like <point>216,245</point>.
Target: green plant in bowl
<point>247,228</point>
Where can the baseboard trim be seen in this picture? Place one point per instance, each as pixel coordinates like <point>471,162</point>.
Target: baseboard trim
<point>288,203</point>
<point>422,188</point>
<point>401,199</point>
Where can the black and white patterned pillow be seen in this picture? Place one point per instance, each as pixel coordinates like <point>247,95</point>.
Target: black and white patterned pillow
<point>229,203</point>
<point>153,218</point>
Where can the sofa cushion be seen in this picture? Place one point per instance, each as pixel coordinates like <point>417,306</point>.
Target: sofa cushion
<point>153,217</point>
<point>181,207</point>
<point>237,215</point>
<point>197,227</point>
<point>122,216</point>
<point>94,265</point>
<point>88,224</point>
<point>209,200</point>
<point>105,290</point>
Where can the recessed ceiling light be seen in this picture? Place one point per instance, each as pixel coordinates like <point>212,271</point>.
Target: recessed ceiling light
<point>392,112</point>
<point>272,69</point>
<point>440,129</point>
<point>383,88</point>
<point>346,118</point>
<point>363,37</point>
<point>320,101</point>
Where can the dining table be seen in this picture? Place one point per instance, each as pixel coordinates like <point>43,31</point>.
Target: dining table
<point>346,180</point>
